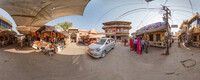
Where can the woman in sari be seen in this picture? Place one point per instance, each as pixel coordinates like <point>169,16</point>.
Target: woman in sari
<point>139,46</point>
<point>131,44</point>
<point>124,42</point>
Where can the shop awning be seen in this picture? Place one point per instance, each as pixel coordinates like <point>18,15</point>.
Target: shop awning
<point>57,29</point>
<point>39,12</point>
<point>8,31</point>
<point>27,30</point>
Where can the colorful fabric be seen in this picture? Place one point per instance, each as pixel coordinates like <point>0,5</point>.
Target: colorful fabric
<point>131,45</point>
<point>139,46</point>
<point>44,34</point>
<point>124,42</point>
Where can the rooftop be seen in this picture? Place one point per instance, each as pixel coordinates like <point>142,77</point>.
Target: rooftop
<point>117,23</point>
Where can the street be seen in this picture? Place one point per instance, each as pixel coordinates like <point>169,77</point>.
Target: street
<point>73,63</point>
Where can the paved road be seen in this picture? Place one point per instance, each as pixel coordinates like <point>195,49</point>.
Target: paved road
<point>119,64</point>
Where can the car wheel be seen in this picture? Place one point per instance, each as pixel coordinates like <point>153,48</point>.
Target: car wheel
<point>103,54</point>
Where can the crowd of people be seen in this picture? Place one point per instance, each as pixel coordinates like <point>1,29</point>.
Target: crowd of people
<point>138,45</point>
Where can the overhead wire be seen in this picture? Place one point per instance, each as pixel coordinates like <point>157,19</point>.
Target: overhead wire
<point>144,17</point>
<point>165,2</point>
<point>149,19</point>
<point>191,6</point>
<point>115,8</point>
<point>122,15</point>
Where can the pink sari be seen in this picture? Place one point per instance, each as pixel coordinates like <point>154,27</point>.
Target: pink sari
<point>139,46</point>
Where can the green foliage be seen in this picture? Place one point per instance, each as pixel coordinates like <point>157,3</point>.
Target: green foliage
<point>65,25</point>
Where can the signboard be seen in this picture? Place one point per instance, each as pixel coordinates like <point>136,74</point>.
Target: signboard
<point>174,26</point>
<point>58,28</point>
<point>152,27</point>
<point>48,28</point>
<point>96,36</point>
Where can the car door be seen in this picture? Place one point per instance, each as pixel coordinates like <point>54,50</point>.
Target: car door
<point>112,43</point>
<point>107,45</point>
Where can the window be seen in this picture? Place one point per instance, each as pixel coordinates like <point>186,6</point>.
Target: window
<point>112,40</point>
<point>157,37</point>
<point>113,37</point>
<point>118,37</point>
<point>151,37</point>
<point>194,38</point>
<point>108,41</point>
<point>4,24</point>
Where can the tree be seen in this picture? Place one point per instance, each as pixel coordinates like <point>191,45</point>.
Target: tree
<point>65,25</point>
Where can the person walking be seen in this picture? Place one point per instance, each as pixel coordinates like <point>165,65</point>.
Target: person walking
<point>83,41</point>
<point>146,43</point>
<point>131,44</point>
<point>139,46</point>
<point>179,43</point>
<point>142,42</point>
<point>124,42</point>
<point>135,44</point>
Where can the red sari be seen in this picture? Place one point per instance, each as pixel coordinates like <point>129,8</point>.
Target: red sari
<point>139,46</point>
<point>131,45</point>
<point>124,42</point>
<point>83,41</point>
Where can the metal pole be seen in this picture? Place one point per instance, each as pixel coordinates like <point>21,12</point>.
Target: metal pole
<point>165,18</point>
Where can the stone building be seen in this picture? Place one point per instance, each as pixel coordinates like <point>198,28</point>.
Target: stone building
<point>117,30</point>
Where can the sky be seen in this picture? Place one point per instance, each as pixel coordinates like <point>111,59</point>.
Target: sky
<point>100,11</point>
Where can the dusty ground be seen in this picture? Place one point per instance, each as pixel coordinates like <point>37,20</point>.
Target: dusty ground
<point>119,64</point>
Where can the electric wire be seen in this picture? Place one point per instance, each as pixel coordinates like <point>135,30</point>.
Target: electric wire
<point>165,2</point>
<point>191,6</point>
<point>115,8</point>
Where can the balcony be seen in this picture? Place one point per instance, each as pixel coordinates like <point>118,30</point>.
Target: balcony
<point>117,26</point>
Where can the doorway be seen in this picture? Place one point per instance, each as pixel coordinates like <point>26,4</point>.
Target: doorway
<point>73,38</point>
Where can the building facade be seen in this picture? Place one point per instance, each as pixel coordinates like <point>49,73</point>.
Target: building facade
<point>155,34</point>
<point>117,30</point>
<point>4,23</point>
<point>75,34</point>
<point>190,31</point>
<point>7,35</point>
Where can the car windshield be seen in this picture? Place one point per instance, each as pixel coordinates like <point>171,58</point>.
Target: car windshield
<point>100,41</point>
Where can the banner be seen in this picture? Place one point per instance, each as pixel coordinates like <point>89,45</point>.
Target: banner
<point>48,28</point>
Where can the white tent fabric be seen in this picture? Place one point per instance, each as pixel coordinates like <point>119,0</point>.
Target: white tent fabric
<point>39,12</point>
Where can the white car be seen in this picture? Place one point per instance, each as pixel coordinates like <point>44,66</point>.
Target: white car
<point>101,47</point>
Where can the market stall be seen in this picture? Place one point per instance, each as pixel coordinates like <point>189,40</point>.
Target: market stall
<point>49,38</point>
<point>26,35</point>
<point>194,35</point>
<point>155,33</point>
<point>7,37</point>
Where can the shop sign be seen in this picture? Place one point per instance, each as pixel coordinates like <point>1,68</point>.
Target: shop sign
<point>174,26</point>
<point>152,27</point>
<point>58,28</point>
<point>155,25</point>
<point>48,28</point>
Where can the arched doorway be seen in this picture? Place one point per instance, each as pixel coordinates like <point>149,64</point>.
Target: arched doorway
<point>73,38</point>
